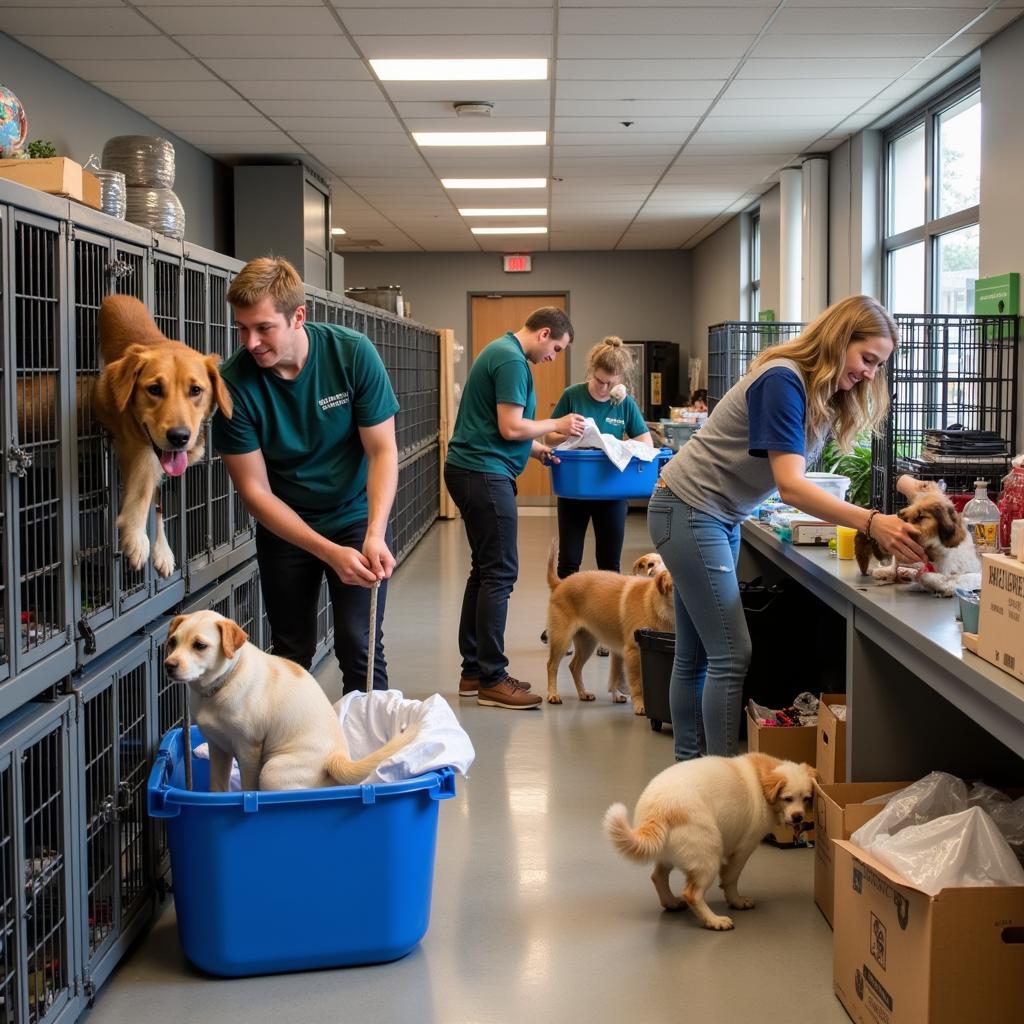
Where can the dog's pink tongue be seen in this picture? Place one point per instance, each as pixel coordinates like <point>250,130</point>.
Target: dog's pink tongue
<point>174,463</point>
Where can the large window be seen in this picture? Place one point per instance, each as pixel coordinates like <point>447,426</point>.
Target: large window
<point>932,178</point>
<point>755,265</point>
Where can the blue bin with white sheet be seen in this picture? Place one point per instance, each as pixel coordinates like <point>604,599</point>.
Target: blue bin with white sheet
<point>589,474</point>
<point>286,881</point>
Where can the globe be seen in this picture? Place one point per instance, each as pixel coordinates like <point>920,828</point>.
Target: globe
<point>13,123</point>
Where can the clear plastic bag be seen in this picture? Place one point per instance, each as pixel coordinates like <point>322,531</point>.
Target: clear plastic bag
<point>937,836</point>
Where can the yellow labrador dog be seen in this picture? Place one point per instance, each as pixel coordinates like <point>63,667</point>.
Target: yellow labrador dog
<point>706,817</point>
<point>152,395</point>
<point>267,712</point>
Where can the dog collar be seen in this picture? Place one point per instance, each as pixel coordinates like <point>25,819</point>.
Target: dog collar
<point>224,680</point>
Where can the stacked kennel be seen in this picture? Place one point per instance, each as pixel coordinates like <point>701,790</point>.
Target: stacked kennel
<point>83,697</point>
<point>734,345</point>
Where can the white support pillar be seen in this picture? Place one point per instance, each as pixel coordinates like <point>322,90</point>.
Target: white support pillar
<point>814,224</point>
<point>789,243</point>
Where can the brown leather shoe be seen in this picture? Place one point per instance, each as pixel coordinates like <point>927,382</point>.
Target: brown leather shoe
<point>468,686</point>
<point>510,694</point>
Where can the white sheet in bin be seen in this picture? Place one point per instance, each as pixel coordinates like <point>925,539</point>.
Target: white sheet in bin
<point>369,722</point>
<point>621,453</point>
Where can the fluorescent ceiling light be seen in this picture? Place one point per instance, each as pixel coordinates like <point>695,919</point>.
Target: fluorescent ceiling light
<point>480,138</point>
<point>501,211</point>
<point>509,231</point>
<point>494,182</point>
<point>337,231</point>
<point>515,69</point>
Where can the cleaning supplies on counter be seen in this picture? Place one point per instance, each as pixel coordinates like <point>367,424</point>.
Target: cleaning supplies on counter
<point>981,519</point>
<point>1011,505</point>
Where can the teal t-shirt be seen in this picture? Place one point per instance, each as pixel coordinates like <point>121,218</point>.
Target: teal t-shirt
<point>307,428</point>
<point>621,421</point>
<point>501,373</point>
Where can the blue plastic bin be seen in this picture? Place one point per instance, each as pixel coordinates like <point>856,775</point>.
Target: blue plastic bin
<point>270,882</point>
<point>589,473</point>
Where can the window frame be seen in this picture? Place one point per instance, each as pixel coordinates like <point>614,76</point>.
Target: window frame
<point>933,226</point>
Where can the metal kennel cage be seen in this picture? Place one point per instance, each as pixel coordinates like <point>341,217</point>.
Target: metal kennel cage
<point>734,345</point>
<point>947,370</point>
<point>415,509</point>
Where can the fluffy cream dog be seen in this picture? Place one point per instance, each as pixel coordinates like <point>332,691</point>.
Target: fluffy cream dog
<point>706,817</point>
<point>267,712</point>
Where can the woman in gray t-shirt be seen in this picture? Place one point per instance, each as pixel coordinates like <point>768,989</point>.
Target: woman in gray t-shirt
<point>757,440</point>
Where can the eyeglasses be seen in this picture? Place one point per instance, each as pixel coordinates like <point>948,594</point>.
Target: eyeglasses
<point>603,383</point>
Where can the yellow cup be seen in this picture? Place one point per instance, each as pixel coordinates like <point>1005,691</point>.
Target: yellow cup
<point>844,541</point>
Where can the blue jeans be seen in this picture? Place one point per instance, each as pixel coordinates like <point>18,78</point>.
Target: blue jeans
<point>712,641</point>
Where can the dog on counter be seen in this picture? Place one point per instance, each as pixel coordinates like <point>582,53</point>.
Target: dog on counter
<point>266,712</point>
<point>604,607</point>
<point>705,818</point>
<point>952,557</point>
<point>153,396</point>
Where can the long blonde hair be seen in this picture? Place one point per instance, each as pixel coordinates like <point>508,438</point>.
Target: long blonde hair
<point>820,353</point>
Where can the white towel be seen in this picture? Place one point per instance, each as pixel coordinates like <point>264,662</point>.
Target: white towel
<point>620,452</point>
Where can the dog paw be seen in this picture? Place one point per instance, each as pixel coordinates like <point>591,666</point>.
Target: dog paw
<point>676,903</point>
<point>135,546</point>
<point>163,558</point>
<point>742,903</point>
<point>553,698</point>
<point>638,708</point>
<point>719,924</point>
<point>586,695</point>
<point>618,698</point>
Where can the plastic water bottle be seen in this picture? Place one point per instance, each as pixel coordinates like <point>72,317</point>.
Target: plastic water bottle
<point>981,518</point>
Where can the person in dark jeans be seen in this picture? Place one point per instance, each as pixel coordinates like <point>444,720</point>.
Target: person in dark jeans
<point>495,434</point>
<point>609,365</point>
<point>311,449</point>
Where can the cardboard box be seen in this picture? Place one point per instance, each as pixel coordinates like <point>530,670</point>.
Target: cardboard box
<point>839,810</point>
<point>904,957</point>
<point>797,743</point>
<point>1000,632</point>
<point>830,758</point>
<point>56,175</point>
<point>90,190</point>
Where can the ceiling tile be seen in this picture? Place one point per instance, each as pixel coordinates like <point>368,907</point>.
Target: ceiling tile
<point>703,20</point>
<point>798,48</point>
<point>446,109</point>
<point>306,91</point>
<point>790,107</point>
<point>760,123</point>
<point>883,67</point>
<point>450,92</point>
<point>442,20</point>
<point>172,92</point>
<point>643,70</point>
<point>376,109</point>
<point>654,47</point>
<point>196,122</point>
<point>621,109</point>
<point>387,131</point>
<point>225,138</point>
<point>60,48</point>
<point>72,21</point>
<point>851,20</point>
<point>263,47</point>
<point>662,90</point>
<point>455,46</point>
<point>137,70</point>
<point>640,127</point>
<point>201,108</point>
<point>803,88</point>
<point>264,20</point>
<point>290,70</point>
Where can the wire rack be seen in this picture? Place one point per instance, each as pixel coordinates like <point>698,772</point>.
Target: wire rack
<point>734,345</point>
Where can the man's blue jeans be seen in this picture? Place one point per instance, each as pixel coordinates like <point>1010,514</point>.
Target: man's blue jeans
<point>712,641</point>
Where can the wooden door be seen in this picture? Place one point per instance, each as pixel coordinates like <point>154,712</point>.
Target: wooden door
<point>492,316</point>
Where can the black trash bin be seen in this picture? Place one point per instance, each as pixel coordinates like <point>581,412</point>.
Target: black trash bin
<point>657,651</point>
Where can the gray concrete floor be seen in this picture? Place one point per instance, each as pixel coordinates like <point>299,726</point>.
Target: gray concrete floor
<point>534,916</point>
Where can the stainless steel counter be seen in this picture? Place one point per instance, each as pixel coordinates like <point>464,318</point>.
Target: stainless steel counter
<point>917,701</point>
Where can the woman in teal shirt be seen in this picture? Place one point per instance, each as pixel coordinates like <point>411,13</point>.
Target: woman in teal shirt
<point>608,364</point>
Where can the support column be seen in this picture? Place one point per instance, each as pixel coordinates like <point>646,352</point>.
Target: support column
<point>814,235</point>
<point>790,188</point>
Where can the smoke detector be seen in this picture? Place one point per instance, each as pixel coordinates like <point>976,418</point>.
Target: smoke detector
<point>475,108</point>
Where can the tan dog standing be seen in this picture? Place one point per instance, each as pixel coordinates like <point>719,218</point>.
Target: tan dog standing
<point>648,565</point>
<point>705,818</point>
<point>604,607</point>
<point>153,396</point>
<point>267,712</point>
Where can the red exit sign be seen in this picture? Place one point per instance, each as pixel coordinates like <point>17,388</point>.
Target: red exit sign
<point>517,263</point>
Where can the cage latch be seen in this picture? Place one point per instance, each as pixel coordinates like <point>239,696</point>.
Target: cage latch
<point>124,799</point>
<point>86,633</point>
<point>108,812</point>
<point>18,460</point>
<point>118,269</point>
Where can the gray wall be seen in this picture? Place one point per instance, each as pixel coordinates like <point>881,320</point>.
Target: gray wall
<point>717,283</point>
<point>637,295</point>
<point>1002,152</point>
<point>79,119</point>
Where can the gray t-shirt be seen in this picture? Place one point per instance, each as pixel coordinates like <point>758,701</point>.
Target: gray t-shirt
<point>715,471</point>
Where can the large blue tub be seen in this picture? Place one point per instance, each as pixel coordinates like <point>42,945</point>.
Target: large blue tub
<point>589,473</point>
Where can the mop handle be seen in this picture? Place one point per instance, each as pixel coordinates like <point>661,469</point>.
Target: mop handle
<point>371,649</point>
<point>187,736</point>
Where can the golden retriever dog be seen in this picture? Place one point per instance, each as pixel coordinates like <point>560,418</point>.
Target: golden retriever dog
<point>705,818</point>
<point>648,565</point>
<point>952,557</point>
<point>267,712</point>
<point>595,607</point>
<point>153,395</point>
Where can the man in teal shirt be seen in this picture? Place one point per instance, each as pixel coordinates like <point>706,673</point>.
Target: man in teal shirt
<point>311,450</point>
<point>495,434</point>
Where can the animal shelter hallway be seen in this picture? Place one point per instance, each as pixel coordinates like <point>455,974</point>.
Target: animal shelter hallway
<point>534,916</point>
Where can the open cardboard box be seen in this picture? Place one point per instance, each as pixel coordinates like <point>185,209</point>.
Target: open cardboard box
<point>830,758</point>
<point>839,810</point>
<point>904,957</point>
